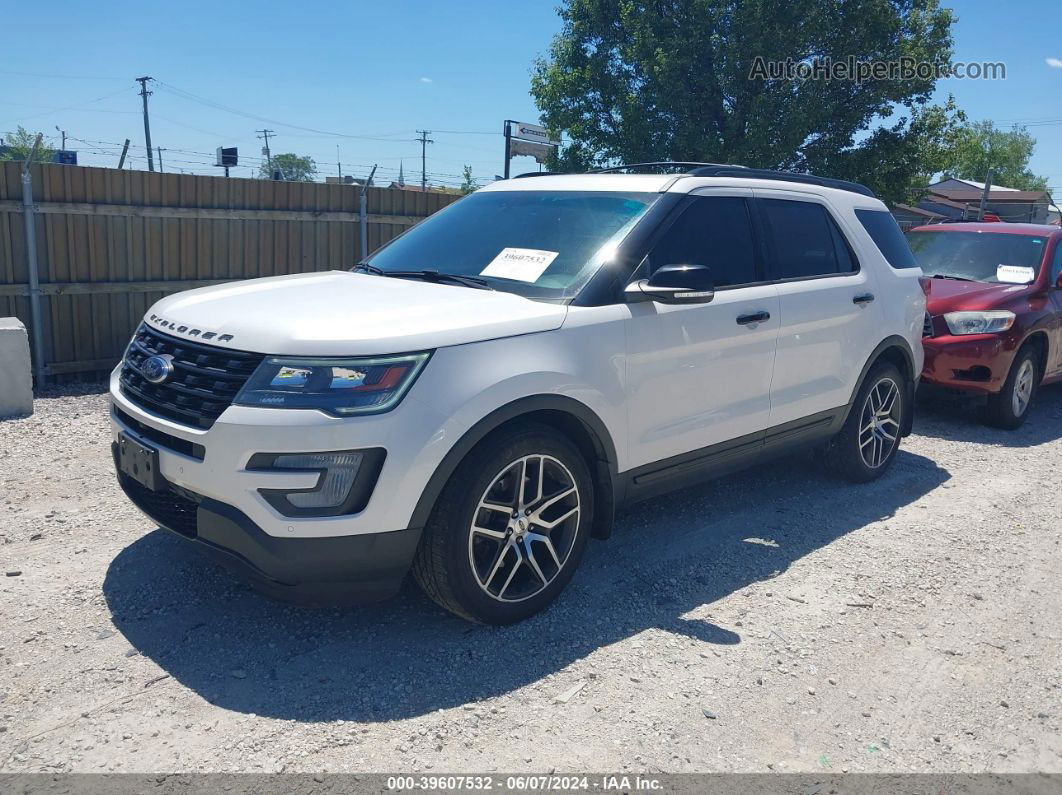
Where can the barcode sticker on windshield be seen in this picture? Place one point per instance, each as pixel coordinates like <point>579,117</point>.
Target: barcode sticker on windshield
<point>1014,274</point>
<point>520,264</point>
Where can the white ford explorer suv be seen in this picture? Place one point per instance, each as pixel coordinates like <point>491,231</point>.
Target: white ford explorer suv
<point>480,397</point>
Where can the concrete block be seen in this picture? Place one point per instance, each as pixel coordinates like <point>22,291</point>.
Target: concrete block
<point>16,380</point>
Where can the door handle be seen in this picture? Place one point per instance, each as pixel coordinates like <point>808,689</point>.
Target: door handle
<point>863,299</point>
<point>754,317</point>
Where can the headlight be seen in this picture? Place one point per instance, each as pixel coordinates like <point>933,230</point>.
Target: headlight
<point>988,322</point>
<point>341,387</point>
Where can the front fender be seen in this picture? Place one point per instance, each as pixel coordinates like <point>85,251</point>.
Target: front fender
<point>492,383</point>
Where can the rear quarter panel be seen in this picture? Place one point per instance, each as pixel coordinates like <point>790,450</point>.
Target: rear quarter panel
<point>903,303</point>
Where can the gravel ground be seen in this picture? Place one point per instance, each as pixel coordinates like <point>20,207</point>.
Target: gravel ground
<point>773,620</point>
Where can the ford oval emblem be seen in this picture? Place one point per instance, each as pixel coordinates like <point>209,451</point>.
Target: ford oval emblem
<point>157,369</point>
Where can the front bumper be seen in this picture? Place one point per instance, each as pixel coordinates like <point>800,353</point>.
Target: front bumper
<point>217,463</point>
<point>978,363</point>
<point>351,569</point>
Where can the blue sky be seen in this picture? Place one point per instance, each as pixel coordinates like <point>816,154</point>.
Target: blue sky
<point>377,72</point>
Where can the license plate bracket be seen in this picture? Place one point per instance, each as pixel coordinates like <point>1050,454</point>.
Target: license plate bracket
<point>139,462</point>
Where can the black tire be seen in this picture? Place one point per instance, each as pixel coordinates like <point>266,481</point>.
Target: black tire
<point>452,561</point>
<point>1004,409</point>
<point>845,455</point>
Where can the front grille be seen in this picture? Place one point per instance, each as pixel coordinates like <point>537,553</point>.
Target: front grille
<point>204,383</point>
<point>167,440</point>
<point>171,510</point>
<point>927,326</point>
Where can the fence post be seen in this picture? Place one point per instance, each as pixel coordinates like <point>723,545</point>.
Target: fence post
<point>363,217</point>
<point>30,221</point>
<point>363,237</point>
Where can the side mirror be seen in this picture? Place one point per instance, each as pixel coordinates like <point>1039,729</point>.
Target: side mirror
<point>674,284</point>
<point>1058,281</point>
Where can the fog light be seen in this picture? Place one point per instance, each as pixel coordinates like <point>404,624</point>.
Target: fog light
<point>345,481</point>
<point>338,471</point>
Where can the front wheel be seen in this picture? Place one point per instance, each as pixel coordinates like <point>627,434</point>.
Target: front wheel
<point>867,444</point>
<point>1010,407</point>
<point>509,528</point>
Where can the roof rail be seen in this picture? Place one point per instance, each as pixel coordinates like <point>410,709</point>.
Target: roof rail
<point>694,169</point>
<point>527,174</point>
<point>686,166</point>
<point>743,172</point>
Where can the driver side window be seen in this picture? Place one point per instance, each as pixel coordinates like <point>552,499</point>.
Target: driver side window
<point>713,231</point>
<point>1056,264</point>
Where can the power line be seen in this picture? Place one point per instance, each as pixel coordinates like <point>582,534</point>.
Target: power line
<point>59,77</point>
<point>465,132</point>
<point>217,105</point>
<point>396,137</point>
<point>112,147</point>
<point>186,126</point>
<point>77,106</point>
<point>58,109</point>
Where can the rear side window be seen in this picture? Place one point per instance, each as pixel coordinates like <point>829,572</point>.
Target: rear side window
<point>806,241</point>
<point>886,234</point>
<point>713,231</point>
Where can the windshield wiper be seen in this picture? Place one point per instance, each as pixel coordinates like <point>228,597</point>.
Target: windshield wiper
<point>429,275</point>
<point>441,278</point>
<point>364,267</point>
<point>952,276</point>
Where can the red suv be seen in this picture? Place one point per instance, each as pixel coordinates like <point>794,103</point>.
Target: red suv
<point>994,311</point>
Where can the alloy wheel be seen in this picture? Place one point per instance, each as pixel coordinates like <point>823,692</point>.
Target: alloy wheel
<point>1023,387</point>
<point>879,426</point>
<point>524,528</point>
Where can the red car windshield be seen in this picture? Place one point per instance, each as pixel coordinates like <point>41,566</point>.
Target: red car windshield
<point>977,256</point>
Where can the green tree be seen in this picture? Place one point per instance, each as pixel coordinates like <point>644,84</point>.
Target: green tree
<point>980,146</point>
<point>632,80</point>
<point>469,183</point>
<point>19,145</point>
<point>900,160</point>
<point>293,168</point>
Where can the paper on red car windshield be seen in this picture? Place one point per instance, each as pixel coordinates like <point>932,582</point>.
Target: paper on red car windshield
<point>1014,274</point>
<point>520,264</point>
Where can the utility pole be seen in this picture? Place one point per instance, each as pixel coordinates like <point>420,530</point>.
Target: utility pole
<point>125,151</point>
<point>144,93</point>
<point>63,133</point>
<point>339,165</point>
<point>424,141</point>
<point>160,159</point>
<point>269,158</point>
<point>984,196</point>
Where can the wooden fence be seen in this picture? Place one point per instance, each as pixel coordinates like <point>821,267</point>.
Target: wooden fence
<point>110,243</point>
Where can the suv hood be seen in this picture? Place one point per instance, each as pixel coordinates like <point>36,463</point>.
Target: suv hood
<point>953,295</point>
<point>338,313</point>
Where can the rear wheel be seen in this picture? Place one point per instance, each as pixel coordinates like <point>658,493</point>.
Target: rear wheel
<point>867,444</point>
<point>1009,408</point>
<point>509,528</point>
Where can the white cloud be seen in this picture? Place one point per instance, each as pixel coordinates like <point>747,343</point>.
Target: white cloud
<point>429,80</point>
<point>1054,62</point>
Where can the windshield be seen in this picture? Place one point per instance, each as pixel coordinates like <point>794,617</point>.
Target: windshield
<point>980,256</point>
<point>541,244</point>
